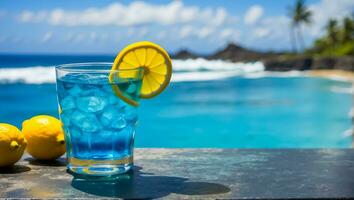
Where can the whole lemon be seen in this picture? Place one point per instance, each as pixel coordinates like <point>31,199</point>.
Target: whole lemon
<point>45,137</point>
<point>12,144</point>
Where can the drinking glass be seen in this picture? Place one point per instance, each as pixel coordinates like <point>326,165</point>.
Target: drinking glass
<point>99,126</point>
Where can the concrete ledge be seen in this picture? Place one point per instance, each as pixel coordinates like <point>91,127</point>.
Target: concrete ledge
<point>199,174</point>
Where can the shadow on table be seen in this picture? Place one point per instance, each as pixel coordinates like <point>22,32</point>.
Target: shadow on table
<point>15,169</point>
<point>136,185</point>
<point>60,162</point>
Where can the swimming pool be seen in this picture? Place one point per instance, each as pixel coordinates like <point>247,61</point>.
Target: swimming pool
<point>237,112</point>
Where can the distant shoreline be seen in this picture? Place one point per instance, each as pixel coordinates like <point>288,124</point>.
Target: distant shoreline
<point>333,73</point>
<point>275,61</point>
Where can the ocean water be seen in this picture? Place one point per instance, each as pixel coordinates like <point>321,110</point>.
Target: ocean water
<point>208,104</point>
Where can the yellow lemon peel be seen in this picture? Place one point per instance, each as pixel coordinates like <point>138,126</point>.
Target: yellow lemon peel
<point>153,59</point>
<point>12,144</point>
<point>45,137</point>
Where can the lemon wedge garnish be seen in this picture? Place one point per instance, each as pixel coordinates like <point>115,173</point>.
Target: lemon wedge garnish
<point>156,65</point>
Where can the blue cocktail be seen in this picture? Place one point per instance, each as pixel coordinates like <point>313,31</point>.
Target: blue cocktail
<point>99,126</point>
<point>97,106</point>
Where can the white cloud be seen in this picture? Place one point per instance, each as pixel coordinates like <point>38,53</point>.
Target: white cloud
<point>253,15</point>
<point>29,16</point>
<point>47,36</point>
<point>219,17</point>
<point>277,28</point>
<point>205,32</point>
<point>182,24</point>
<point>229,34</point>
<point>186,31</point>
<point>75,37</point>
<point>326,9</point>
<point>90,37</point>
<point>268,30</point>
<point>137,31</point>
<point>261,32</point>
<point>197,32</point>
<point>136,13</point>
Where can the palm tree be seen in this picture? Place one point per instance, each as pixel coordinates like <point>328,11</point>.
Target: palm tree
<point>332,31</point>
<point>299,14</point>
<point>348,30</point>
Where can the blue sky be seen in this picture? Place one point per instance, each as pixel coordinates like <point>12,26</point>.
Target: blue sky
<point>105,26</point>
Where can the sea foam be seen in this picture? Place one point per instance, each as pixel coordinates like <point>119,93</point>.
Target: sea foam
<point>184,70</point>
<point>29,75</point>
<point>187,70</point>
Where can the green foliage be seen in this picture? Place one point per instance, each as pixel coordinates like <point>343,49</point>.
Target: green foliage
<point>338,40</point>
<point>300,13</point>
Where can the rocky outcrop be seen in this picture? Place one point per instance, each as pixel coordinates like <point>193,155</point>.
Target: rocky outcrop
<point>184,54</point>
<point>282,63</point>
<point>309,63</point>
<point>232,52</point>
<point>236,53</point>
<point>342,63</point>
<point>275,61</point>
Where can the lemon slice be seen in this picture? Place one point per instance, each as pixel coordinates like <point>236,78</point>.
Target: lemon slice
<point>156,65</point>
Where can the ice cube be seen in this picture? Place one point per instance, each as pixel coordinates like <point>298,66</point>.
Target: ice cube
<point>98,79</point>
<point>91,103</point>
<point>112,99</point>
<point>127,131</point>
<point>130,114</point>
<point>67,103</point>
<point>105,137</point>
<point>107,116</point>
<point>75,91</point>
<point>112,117</point>
<point>93,92</point>
<point>99,92</point>
<point>107,88</point>
<point>118,123</point>
<point>68,85</point>
<point>86,122</point>
<point>117,102</point>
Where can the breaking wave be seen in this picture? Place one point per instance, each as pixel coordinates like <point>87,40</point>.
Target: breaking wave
<point>185,70</point>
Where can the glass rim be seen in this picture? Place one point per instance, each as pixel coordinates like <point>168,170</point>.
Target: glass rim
<point>75,67</point>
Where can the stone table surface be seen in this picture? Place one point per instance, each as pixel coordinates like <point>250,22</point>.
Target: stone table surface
<point>197,173</point>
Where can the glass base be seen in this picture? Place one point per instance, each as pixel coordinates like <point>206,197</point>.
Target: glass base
<point>100,167</point>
